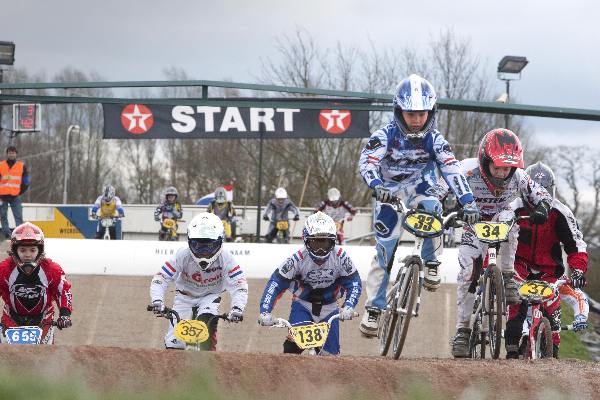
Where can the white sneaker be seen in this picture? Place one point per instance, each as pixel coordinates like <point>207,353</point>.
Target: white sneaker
<point>432,275</point>
<point>370,323</point>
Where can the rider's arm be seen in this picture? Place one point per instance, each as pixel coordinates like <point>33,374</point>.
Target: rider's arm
<point>450,167</point>
<point>292,207</point>
<point>571,237</point>
<point>119,207</point>
<point>268,208</point>
<point>62,293</point>
<point>235,282</point>
<point>177,213</point>
<point>165,275</point>
<point>534,192</point>
<point>349,279</point>
<point>96,206</point>
<point>280,280</point>
<point>371,156</point>
<point>349,207</point>
<point>158,211</point>
<point>321,206</point>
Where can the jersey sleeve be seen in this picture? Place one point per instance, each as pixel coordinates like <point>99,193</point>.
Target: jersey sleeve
<point>63,295</point>
<point>349,279</point>
<point>119,207</point>
<point>177,213</point>
<point>450,169</point>
<point>534,192</point>
<point>571,237</point>
<point>165,275</point>
<point>236,284</point>
<point>280,280</point>
<point>96,205</point>
<point>371,156</point>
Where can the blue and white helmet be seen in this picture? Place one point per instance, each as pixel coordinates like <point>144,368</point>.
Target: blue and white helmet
<point>414,94</point>
<point>319,236</point>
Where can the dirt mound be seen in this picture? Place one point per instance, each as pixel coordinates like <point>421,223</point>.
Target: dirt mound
<point>272,376</point>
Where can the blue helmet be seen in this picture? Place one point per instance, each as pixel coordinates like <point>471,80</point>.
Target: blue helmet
<point>414,94</point>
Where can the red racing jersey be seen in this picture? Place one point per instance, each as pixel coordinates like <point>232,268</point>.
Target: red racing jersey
<point>28,298</point>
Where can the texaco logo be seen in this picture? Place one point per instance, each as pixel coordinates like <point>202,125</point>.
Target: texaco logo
<point>137,118</point>
<point>335,122</point>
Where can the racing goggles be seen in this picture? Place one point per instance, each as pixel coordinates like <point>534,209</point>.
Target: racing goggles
<point>320,246</point>
<point>205,248</point>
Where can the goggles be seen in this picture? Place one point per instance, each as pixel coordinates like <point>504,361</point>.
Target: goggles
<point>205,248</point>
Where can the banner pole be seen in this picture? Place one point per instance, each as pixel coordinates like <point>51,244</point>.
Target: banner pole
<point>302,194</point>
<point>259,190</point>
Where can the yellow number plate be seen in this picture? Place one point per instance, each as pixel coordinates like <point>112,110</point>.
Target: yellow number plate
<point>309,336</point>
<point>338,226</point>
<point>536,288</point>
<point>425,223</point>
<point>494,231</point>
<point>168,223</point>
<point>282,225</point>
<point>191,331</point>
<point>226,228</point>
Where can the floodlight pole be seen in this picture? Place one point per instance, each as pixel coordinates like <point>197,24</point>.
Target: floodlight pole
<point>67,168</point>
<point>259,190</point>
<point>507,115</point>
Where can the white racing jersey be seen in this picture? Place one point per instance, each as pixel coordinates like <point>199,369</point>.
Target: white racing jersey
<point>224,274</point>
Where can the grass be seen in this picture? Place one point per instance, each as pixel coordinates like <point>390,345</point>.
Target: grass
<point>571,345</point>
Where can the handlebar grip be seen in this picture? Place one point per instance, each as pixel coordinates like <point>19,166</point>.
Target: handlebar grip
<point>149,307</point>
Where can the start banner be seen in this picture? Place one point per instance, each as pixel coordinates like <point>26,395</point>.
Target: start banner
<point>141,121</point>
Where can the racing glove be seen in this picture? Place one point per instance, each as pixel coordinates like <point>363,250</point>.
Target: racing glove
<point>578,279</point>
<point>265,217</point>
<point>471,213</point>
<point>383,194</point>
<point>346,313</point>
<point>296,218</point>
<point>540,214</point>
<point>235,315</point>
<point>580,323</point>
<point>158,306</point>
<point>266,319</point>
<point>64,321</point>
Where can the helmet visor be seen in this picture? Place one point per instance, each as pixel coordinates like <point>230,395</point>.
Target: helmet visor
<point>320,246</point>
<point>204,248</point>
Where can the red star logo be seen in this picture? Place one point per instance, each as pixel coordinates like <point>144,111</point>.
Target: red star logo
<point>137,118</point>
<point>335,121</point>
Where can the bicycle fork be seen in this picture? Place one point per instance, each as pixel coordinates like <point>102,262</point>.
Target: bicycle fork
<point>415,257</point>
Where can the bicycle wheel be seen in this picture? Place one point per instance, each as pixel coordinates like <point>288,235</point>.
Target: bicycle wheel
<point>406,301</point>
<point>477,341</point>
<point>543,339</point>
<point>494,289</point>
<point>388,323</point>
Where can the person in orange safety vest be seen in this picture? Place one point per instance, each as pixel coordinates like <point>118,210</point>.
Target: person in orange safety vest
<point>14,181</point>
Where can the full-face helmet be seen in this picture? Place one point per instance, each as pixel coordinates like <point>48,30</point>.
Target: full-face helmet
<point>319,236</point>
<point>502,148</point>
<point>205,238</point>
<point>27,234</point>
<point>414,94</point>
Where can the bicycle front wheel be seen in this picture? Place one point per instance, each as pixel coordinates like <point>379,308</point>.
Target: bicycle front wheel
<point>494,287</point>
<point>388,323</point>
<point>477,341</point>
<point>405,306</point>
<point>543,340</point>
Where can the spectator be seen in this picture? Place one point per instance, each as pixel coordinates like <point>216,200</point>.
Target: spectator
<point>14,181</point>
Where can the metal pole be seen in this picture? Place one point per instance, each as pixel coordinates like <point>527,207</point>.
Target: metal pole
<point>259,190</point>
<point>1,104</point>
<point>67,162</point>
<point>507,116</point>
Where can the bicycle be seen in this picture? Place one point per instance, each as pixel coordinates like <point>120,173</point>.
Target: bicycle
<point>31,334</point>
<point>537,343</point>
<point>192,332</point>
<point>311,335</point>
<point>404,297</point>
<point>489,309</point>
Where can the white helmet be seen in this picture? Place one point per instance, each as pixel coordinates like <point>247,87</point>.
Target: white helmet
<point>205,238</point>
<point>333,195</point>
<point>280,194</point>
<point>319,236</point>
<point>220,195</point>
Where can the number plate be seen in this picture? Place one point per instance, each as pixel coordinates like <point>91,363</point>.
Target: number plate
<point>23,335</point>
<point>282,225</point>
<point>423,223</point>
<point>536,289</point>
<point>168,223</point>
<point>491,231</point>
<point>191,331</point>
<point>310,336</point>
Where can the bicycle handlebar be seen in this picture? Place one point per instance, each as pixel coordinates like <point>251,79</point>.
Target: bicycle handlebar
<point>169,314</point>
<point>284,323</point>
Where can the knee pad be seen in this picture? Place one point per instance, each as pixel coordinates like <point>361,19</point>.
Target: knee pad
<point>386,221</point>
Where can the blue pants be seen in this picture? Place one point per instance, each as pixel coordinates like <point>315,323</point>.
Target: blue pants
<point>17,209</point>
<point>301,316</point>
<point>388,228</point>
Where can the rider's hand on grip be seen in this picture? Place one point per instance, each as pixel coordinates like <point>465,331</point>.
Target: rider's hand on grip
<point>471,213</point>
<point>266,319</point>
<point>158,306</point>
<point>235,315</point>
<point>346,313</point>
<point>383,194</point>
<point>540,214</point>
<point>296,218</point>
<point>578,279</point>
<point>265,218</point>
<point>580,323</point>
<point>64,322</point>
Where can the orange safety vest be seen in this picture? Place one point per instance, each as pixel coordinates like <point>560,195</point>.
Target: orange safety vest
<point>11,178</point>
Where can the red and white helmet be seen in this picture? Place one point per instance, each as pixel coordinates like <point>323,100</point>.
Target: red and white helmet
<point>26,234</point>
<point>502,148</point>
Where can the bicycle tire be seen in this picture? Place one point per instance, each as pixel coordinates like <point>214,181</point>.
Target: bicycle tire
<point>407,297</point>
<point>543,339</point>
<point>495,304</point>
<point>387,325</point>
<point>477,341</point>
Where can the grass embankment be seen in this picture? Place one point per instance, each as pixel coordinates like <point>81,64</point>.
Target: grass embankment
<point>571,345</point>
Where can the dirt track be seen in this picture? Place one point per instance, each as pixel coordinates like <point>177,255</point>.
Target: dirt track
<point>110,311</point>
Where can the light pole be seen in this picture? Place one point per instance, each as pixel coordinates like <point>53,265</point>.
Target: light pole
<point>509,69</point>
<point>74,129</point>
<point>7,57</point>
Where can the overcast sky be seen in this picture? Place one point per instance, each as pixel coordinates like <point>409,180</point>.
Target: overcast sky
<point>216,40</point>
